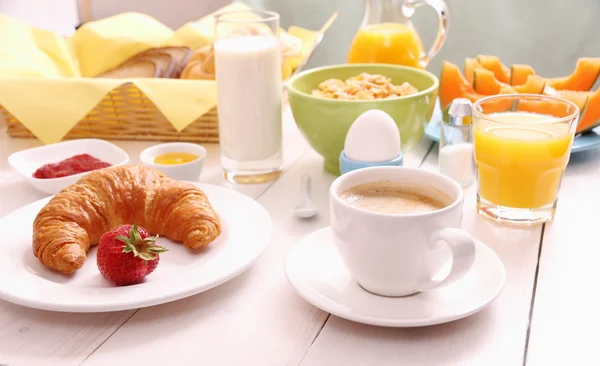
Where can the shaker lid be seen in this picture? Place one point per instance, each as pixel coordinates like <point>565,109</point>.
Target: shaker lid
<point>460,112</point>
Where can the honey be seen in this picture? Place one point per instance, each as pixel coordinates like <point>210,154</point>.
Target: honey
<point>174,158</point>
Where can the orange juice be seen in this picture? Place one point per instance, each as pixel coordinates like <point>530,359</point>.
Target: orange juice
<point>521,165</point>
<point>387,43</point>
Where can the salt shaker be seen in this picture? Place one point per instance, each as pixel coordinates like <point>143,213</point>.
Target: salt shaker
<point>456,144</point>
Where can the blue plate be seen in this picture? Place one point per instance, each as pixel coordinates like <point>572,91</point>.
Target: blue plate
<point>583,142</point>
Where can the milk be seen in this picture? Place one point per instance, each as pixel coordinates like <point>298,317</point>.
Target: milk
<point>248,74</point>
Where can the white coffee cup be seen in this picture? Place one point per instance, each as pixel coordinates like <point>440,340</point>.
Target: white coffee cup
<point>400,254</point>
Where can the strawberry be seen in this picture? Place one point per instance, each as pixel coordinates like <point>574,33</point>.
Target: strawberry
<point>127,254</point>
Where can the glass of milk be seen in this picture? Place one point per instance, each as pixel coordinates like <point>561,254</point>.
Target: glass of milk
<point>249,87</point>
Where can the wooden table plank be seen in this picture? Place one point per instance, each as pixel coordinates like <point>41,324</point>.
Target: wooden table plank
<point>256,318</point>
<point>565,322</point>
<point>37,337</point>
<point>68,339</point>
<point>494,336</point>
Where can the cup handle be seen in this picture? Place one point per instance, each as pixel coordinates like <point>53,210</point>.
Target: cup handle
<point>441,9</point>
<point>462,246</point>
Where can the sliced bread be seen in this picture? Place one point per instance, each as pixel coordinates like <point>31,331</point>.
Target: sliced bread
<point>163,62</point>
<point>134,69</point>
<point>179,55</point>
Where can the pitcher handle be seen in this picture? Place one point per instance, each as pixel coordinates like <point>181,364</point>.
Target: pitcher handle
<point>441,9</point>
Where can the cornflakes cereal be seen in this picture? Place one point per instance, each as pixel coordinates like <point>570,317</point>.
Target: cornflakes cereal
<point>363,87</point>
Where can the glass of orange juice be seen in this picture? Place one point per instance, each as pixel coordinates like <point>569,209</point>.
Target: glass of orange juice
<point>522,144</point>
<point>387,35</point>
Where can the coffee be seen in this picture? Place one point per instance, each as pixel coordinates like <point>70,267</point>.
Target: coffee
<point>394,197</point>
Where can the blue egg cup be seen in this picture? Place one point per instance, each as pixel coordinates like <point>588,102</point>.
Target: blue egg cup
<point>348,165</point>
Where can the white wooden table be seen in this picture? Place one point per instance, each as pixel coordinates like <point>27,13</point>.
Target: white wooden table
<point>547,314</point>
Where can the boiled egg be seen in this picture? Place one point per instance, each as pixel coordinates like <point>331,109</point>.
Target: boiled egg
<point>373,137</point>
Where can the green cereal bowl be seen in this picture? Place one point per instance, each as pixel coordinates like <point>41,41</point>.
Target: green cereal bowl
<point>325,122</point>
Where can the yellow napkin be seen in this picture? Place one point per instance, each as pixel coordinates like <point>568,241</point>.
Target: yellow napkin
<point>47,80</point>
<point>53,117</point>
<point>33,52</point>
<point>201,33</point>
<point>106,43</point>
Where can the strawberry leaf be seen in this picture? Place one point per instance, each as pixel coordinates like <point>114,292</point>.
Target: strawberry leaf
<point>123,238</point>
<point>145,248</point>
<point>130,248</point>
<point>135,235</point>
<point>150,240</point>
<point>147,256</point>
<point>157,249</point>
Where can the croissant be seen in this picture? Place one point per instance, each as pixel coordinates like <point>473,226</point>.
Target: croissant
<point>77,216</point>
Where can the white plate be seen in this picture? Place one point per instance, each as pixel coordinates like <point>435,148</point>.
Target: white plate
<point>26,162</point>
<point>316,271</point>
<point>180,273</point>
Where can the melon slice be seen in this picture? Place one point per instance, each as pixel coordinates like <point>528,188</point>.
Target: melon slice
<point>470,65</point>
<point>533,85</point>
<point>590,114</point>
<point>589,107</point>
<point>579,98</point>
<point>582,79</point>
<point>519,74</point>
<point>494,64</point>
<point>498,105</point>
<point>454,85</point>
<point>485,82</point>
<point>550,107</point>
<point>507,89</point>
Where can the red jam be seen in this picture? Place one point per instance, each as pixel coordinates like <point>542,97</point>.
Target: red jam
<point>71,166</point>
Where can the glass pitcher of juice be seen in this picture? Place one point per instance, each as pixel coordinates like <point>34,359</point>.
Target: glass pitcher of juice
<point>387,35</point>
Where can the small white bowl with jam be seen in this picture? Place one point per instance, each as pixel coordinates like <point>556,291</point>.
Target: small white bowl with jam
<point>50,168</point>
<point>178,160</point>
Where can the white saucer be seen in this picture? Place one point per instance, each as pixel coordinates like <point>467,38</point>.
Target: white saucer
<point>318,274</point>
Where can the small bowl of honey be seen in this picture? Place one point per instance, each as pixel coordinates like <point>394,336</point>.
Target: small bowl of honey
<point>178,160</point>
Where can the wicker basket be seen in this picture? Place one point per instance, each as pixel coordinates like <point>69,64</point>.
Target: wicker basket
<point>127,114</point>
